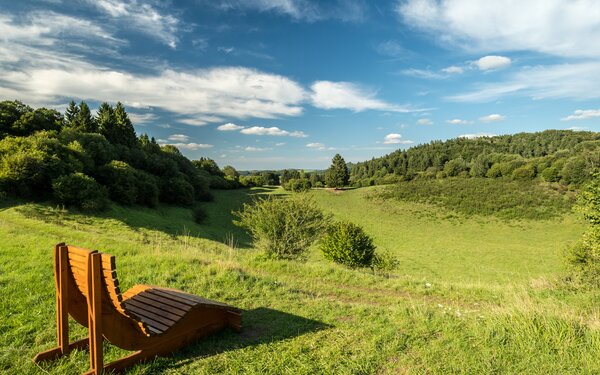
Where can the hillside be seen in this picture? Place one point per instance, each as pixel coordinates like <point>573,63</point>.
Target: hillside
<point>552,155</point>
<point>457,303</point>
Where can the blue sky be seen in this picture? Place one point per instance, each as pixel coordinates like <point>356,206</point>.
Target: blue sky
<point>263,84</point>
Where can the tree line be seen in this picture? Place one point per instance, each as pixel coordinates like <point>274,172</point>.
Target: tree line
<point>563,156</point>
<point>86,160</point>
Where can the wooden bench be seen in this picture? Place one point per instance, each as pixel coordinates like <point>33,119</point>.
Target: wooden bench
<point>149,320</point>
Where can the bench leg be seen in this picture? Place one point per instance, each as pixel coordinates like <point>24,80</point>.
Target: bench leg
<point>57,352</point>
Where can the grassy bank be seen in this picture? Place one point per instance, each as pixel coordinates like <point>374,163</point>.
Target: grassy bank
<point>472,295</point>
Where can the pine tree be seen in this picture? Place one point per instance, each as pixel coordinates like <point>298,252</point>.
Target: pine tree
<point>107,122</point>
<point>337,175</point>
<point>71,113</point>
<point>84,122</point>
<point>125,130</point>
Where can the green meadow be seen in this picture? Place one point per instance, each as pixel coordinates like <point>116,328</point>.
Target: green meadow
<point>472,294</point>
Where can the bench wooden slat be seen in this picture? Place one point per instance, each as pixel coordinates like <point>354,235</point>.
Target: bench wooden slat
<point>158,305</point>
<point>152,309</point>
<point>164,301</point>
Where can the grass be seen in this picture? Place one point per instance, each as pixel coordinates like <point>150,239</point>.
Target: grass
<point>502,198</point>
<point>472,295</point>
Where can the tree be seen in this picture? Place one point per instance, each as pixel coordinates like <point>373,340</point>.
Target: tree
<point>337,175</point>
<point>84,122</point>
<point>71,113</point>
<point>230,172</point>
<point>126,132</point>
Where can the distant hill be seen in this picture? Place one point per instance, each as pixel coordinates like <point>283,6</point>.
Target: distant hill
<point>553,156</point>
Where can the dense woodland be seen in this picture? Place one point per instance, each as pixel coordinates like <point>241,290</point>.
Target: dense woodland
<point>83,160</point>
<point>552,155</point>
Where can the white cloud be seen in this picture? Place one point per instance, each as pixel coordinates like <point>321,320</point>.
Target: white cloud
<point>390,48</point>
<point>280,144</point>
<point>304,10</point>
<point>555,27</point>
<point>179,138</point>
<point>186,146</point>
<point>274,131</point>
<point>256,149</point>
<point>141,118</point>
<point>424,121</point>
<point>199,121</point>
<point>346,95</point>
<point>577,129</point>
<point>492,62</point>
<point>458,121</point>
<point>423,73</point>
<point>582,114</point>
<point>453,70</point>
<point>229,127</point>
<point>395,139</point>
<point>476,135</point>
<point>492,118</point>
<point>142,17</point>
<point>577,81</point>
<point>316,145</point>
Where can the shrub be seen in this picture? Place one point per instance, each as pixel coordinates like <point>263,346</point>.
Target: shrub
<point>384,263</point>
<point>147,188</point>
<point>297,185</point>
<point>121,180</point>
<point>348,244</point>
<point>199,215</point>
<point>177,191</point>
<point>283,227</point>
<point>551,174</point>
<point>80,190</point>
<point>524,173</point>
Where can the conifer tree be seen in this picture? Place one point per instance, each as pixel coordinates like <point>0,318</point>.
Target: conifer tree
<point>337,175</point>
<point>84,122</point>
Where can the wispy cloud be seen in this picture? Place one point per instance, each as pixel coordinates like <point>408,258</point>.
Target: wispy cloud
<point>316,145</point>
<point>185,146</point>
<point>458,121</point>
<point>424,121</point>
<point>577,81</point>
<point>558,27</point>
<point>492,118</point>
<point>229,127</point>
<point>257,149</point>
<point>395,139</point>
<point>346,95</point>
<point>303,10</point>
<point>141,17</point>
<point>582,114</point>
<point>273,131</point>
<point>178,138</point>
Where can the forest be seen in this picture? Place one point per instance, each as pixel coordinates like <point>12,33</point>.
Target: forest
<point>552,156</point>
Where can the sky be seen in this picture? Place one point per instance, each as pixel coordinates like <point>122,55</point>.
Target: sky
<point>261,84</point>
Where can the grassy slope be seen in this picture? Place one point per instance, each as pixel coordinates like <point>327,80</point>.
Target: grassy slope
<point>489,309</point>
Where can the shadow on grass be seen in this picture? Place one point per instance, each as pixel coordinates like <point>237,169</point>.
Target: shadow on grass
<point>172,220</point>
<point>260,326</point>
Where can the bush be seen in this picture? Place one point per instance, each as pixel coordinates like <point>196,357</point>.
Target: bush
<point>283,227</point>
<point>147,188</point>
<point>199,215</point>
<point>121,180</point>
<point>297,185</point>
<point>177,191</point>
<point>80,190</point>
<point>348,244</point>
<point>384,263</point>
<point>524,173</point>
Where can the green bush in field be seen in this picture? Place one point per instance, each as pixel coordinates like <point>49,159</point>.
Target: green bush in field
<point>199,215</point>
<point>80,190</point>
<point>347,243</point>
<point>283,227</point>
<point>584,257</point>
<point>524,173</point>
<point>121,180</point>
<point>384,262</point>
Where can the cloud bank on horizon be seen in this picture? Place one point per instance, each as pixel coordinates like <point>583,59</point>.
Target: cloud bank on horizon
<point>230,80</point>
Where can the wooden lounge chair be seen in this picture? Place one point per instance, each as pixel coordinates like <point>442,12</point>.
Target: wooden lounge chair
<point>149,320</point>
